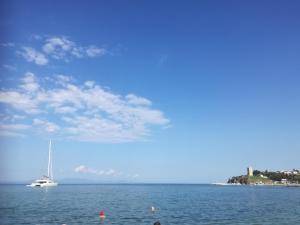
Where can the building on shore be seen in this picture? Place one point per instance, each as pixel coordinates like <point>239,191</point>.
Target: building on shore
<point>250,171</point>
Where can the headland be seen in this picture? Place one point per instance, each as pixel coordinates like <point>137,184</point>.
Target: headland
<point>275,178</point>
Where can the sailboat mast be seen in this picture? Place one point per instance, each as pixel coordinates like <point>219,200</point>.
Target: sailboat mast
<point>49,162</point>
<point>51,165</point>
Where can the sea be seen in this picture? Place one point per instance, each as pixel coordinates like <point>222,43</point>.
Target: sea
<point>129,204</point>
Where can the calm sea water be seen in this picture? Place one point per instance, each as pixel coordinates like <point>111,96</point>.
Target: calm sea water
<point>129,204</point>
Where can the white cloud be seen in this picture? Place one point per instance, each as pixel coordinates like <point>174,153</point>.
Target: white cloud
<point>31,55</point>
<point>23,99</point>
<point>104,173</point>
<point>20,101</point>
<point>89,83</point>
<point>57,48</point>
<point>63,79</point>
<point>13,130</point>
<point>46,125</point>
<point>78,52</point>
<point>30,83</point>
<point>65,109</point>
<point>84,112</point>
<point>60,47</point>
<point>94,51</point>
<point>85,169</point>
<point>135,100</point>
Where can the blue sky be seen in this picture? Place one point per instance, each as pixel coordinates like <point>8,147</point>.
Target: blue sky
<point>149,91</point>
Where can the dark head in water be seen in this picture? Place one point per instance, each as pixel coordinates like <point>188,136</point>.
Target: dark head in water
<point>157,223</point>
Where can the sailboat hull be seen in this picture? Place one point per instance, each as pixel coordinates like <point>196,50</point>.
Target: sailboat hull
<point>42,185</point>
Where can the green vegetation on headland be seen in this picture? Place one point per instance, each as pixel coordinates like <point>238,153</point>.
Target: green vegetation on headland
<point>268,178</point>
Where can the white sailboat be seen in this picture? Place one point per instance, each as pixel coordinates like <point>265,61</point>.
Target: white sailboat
<point>46,181</point>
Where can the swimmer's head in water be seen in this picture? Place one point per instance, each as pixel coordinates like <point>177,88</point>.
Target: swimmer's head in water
<point>157,223</point>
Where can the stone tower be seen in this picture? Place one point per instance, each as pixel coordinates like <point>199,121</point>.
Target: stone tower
<point>250,171</point>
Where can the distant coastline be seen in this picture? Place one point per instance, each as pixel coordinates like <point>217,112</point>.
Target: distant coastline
<point>270,185</point>
<point>289,178</point>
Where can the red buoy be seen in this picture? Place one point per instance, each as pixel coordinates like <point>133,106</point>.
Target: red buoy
<point>102,214</point>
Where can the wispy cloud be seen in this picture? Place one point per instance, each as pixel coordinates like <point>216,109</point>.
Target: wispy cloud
<point>14,130</point>
<point>135,100</point>
<point>20,101</point>
<point>83,112</point>
<point>14,126</point>
<point>35,37</point>
<point>9,67</point>
<point>94,51</point>
<point>60,47</point>
<point>29,83</point>
<point>46,125</point>
<point>31,55</point>
<point>7,44</point>
<point>85,169</point>
<point>105,173</point>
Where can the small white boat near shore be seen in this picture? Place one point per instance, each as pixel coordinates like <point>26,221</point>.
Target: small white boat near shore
<point>46,181</point>
<point>226,184</point>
